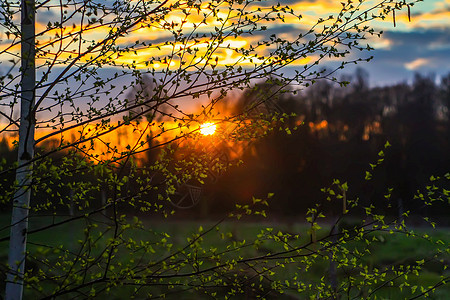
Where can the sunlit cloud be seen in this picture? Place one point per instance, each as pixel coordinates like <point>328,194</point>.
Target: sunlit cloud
<point>439,18</point>
<point>317,7</point>
<point>439,44</point>
<point>163,55</point>
<point>380,42</point>
<point>417,63</point>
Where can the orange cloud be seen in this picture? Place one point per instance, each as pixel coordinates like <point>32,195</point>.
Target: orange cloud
<point>417,63</point>
<point>439,18</point>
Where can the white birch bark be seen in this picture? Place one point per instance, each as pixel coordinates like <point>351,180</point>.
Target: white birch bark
<point>21,201</point>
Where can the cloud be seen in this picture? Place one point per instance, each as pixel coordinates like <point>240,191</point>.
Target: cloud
<point>382,42</point>
<point>422,51</point>
<point>423,41</point>
<point>438,18</point>
<point>417,63</point>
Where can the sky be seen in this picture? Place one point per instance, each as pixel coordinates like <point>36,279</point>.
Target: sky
<point>422,45</point>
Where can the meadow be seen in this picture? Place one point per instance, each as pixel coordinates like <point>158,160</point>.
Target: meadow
<point>386,250</point>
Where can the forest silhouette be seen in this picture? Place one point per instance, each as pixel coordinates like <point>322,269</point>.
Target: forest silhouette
<point>337,132</point>
<point>343,131</point>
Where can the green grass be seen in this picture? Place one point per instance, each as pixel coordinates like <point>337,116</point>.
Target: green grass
<point>388,250</point>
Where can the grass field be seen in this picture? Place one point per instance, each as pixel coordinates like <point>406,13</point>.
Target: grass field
<point>387,251</point>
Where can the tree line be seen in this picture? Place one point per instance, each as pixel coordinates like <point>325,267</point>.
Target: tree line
<point>334,132</point>
<point>340,132</point>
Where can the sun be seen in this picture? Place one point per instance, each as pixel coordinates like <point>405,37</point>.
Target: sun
<point>208,128</point>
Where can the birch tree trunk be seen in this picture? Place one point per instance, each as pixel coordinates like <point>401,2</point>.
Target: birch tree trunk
<point>21,201</point>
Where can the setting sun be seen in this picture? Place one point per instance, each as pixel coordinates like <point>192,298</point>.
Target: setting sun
<point>208,128</point>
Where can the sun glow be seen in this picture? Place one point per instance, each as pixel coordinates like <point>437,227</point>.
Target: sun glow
<point>208,128</point>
